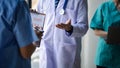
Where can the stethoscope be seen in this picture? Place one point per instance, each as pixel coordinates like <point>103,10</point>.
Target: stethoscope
<point>62,11</point>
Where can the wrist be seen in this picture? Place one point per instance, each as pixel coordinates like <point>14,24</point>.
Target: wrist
<point>70,28</point>
<point>36,43</point>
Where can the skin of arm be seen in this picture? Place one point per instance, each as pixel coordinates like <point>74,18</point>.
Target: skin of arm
<point>100,33</point>
<point>28,50</point>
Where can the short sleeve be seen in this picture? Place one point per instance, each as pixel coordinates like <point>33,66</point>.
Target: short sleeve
<point>23,30</point>
<point>97,20</point>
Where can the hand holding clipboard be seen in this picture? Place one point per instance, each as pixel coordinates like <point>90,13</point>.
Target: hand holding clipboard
<point>38,24</point>
<point>38,20</point>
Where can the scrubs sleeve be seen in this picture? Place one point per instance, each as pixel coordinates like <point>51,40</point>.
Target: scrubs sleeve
<point>23,30</point>
<point>80,27</point>
<point>97,20</point>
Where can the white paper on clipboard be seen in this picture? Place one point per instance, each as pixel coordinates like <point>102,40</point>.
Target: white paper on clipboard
<point>38,19</point>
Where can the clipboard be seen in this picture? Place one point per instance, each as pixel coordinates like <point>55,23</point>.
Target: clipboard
<point>38,19</point>
<point>113,36</point>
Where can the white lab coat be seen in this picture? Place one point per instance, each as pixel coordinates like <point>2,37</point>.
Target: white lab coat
<point>58,50</point>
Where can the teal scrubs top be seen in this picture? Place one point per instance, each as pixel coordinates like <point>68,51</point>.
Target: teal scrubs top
<point>105,16</point>
<point>15,32</point>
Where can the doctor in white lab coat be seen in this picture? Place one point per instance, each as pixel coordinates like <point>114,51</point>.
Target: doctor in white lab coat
<point>65,24</point>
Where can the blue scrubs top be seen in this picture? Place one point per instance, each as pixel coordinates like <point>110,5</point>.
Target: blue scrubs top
<point>15,32</point>
<point>105,16</point>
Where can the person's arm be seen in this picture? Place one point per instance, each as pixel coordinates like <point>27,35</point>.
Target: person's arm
<point>79,27</point>
<point>23,30</point>
<point>28,50</point>
<point>100,33</point>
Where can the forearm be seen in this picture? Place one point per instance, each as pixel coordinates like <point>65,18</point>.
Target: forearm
<point>100,33</point>
<point>27,51</point>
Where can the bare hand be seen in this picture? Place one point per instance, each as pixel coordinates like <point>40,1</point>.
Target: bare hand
<point>34,11</point>
<point>66,26</point>
<point>37,31</point>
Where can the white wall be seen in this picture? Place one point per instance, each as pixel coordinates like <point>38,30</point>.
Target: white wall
<point>90,40</point>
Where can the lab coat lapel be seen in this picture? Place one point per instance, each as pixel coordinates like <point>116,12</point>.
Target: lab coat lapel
<point>60,4</point>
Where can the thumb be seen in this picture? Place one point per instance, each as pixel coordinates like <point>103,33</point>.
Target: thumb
<point>68,22</point>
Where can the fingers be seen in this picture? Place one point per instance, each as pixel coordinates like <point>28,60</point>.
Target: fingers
<point>68,22</point>
<point>33,11</point>
<point>61,26</point>
<point>66,26</point>
<point>39,34</point>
